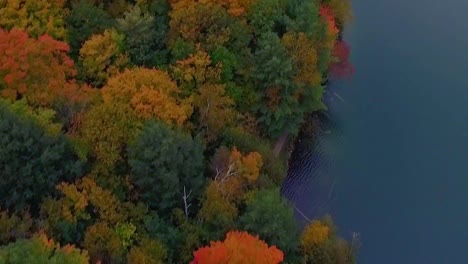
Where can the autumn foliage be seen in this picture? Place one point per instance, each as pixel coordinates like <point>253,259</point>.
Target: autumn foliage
<point>38,69</point>
<point>342,67</point>
<point>150,93</point>
<point>155,132</point>
<point>238,247</point>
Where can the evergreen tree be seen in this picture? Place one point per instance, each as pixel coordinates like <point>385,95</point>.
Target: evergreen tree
<point>166,166</point>
<point>31,161</point>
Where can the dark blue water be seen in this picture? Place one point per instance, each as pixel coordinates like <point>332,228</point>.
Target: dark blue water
<point>402,178</point>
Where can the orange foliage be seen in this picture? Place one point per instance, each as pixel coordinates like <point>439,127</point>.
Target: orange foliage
<point>38,69</point>
<point>234,171</point>
<point>151,93</point>
<point>238,248</point>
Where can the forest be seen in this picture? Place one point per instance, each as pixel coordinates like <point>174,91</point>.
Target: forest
<point>143,131</point>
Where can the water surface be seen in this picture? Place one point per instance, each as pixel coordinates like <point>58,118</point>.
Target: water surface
<point>402,181</point>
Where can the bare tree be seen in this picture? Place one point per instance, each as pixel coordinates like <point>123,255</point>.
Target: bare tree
<point>186,204</point>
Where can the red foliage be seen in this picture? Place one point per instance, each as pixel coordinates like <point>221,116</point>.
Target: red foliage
<point>38,69</point>
<point>342,68</point>
<point>238,247</point>
<point>327,14</point>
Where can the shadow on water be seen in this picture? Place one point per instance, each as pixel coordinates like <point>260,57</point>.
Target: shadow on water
<point>312,176</point>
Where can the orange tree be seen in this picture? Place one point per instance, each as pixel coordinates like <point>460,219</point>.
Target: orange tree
<point>237,248</point>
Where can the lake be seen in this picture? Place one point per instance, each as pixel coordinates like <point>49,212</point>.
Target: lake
<point>393,164</point>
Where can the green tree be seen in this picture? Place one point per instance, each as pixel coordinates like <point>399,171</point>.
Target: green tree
<point>85,20</point>
<point>279,109</point>
<point>265,16</point>
<point>31,161</point>
<point>166,166</point>
<point>40,249</point>
<point>162,230</point>
<point>144,37</point>
<point>269,216</point>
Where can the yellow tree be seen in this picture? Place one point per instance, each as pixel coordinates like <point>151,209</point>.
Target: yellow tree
<point>303,53</point>
<point>37,17</point>
<point>102,56</point>
<point>150,93</point>
<point>105,129</point>
<point>215,110</point>
<point>196,70</point>
<point>313,235</point>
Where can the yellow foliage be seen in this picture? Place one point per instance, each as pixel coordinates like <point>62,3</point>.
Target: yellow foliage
<point>103,243</point>
<point>304,55</point>
<point>150,93</point>
<point>215,109</point>
<point>37,17</point>
<point>106,129</point>
<point>196,70</point>
<point>101,56</point>
<point>78,196</point>
<point>314,234</point>
<point>198,22</point>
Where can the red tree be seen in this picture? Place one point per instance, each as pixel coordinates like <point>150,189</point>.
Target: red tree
<point>342,68</point>
<point>38,69</point>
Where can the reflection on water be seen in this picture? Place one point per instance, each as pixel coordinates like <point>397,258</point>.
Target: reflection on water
<point>312,174</point>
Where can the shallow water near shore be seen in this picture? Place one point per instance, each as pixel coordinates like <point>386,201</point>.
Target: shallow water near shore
<point>394,164</point>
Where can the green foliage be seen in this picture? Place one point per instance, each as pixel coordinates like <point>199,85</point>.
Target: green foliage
<point>269,216</point>
<point>31,161</point>
<point>85,20</point>
<point>163,162</point>
<point>264,15</point>
<point>164,231</point>
<point>240,74</point>
<point>40,250</point>
<point>144,37</point>
<point>126,233</point>
<point>194,236</point>
<point>43,117</point>
<point>303,16</point>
